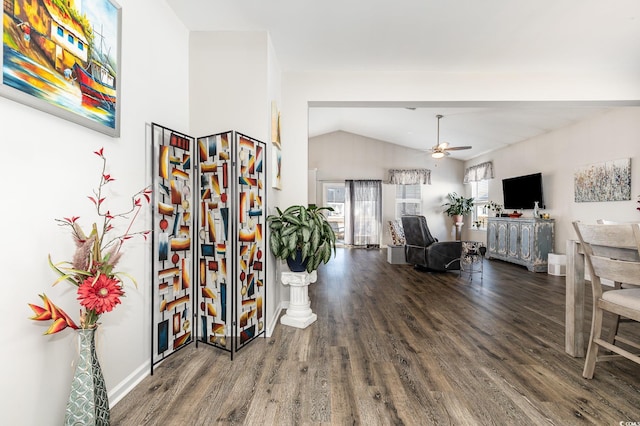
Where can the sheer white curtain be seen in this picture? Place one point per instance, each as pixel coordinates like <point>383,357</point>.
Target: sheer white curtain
<point>363,212</point>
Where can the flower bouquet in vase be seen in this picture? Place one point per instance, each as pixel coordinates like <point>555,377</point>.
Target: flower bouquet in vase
<point>495,207</point>
<point>99,288</point>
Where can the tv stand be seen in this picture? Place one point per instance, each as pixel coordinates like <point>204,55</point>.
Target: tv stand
<point>524,241</point>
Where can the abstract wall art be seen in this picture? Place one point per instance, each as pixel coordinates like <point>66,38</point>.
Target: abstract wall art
<point>276,149</point>
<point>275,124</point>
<point>607,181</point>
<point>276,172</point>
<point>63,58</point>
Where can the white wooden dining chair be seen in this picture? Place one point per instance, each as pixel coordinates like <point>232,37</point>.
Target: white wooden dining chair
<point>613,332</point>
<point>601,244</point>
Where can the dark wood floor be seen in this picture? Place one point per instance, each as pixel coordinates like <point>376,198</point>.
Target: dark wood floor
<point>394,345</point>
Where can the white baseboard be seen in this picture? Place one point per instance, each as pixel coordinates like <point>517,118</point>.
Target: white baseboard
<point>127,385</point>
<point>274,320</point>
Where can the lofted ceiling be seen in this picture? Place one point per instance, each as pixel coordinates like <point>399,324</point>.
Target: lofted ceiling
<point>467,36</point>
<point>490,126</point>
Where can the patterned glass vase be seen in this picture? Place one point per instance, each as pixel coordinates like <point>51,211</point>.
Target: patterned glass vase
<point>88,402</point>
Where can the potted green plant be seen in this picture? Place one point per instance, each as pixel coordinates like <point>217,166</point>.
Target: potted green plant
<point>458,206</point>
<point>302,236</point>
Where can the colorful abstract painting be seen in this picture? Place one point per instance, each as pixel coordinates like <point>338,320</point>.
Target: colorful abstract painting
<point>63,57</point>
<point>275,125</point>
<point>608,181</point>
<point>173,239</point>
<point>276,172</point>
<point>276,149</point>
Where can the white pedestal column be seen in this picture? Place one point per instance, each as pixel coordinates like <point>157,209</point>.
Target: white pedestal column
<point>459,230</point>
<point>299,312</point>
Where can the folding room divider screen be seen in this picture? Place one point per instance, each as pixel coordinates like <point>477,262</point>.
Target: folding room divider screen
<point>209,223</point>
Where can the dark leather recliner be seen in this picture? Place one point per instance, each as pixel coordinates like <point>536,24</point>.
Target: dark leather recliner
<point>425,251</point>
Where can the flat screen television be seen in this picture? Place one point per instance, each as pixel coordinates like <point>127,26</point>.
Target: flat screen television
<point>522,192</point>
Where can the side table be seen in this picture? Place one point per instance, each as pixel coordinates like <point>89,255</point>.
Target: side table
<point>299,312</point>
<point>472,257</point>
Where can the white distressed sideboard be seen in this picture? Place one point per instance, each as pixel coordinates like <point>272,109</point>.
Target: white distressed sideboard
<point>524,241</point>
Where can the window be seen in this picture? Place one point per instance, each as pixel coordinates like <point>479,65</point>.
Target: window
<point>480,194</point>
<point>71,39</point>
<point>333,194</point>
<point>60,31</point>
<point>408,200</point>
<point>334,197</point>
<point>80,45</point>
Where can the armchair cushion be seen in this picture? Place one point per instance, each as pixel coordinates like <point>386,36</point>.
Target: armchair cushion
<point>397,233</point>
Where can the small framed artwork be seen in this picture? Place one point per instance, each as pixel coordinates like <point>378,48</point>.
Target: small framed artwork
<point>276,149</point>
<point>63,58</point>
<point>276,168</point>
<point>275,125</point>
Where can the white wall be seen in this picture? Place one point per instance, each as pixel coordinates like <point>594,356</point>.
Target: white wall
<point>557,155</point>
<point>48,171</point>
<point>228,83</point>
<point>278,295</point>
<point>340,155</point>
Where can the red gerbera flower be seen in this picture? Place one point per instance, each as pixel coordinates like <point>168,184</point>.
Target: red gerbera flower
<point>100,295</point>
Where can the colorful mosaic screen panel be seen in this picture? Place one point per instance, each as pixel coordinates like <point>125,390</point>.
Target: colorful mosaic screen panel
<point>214,239</point>
<point>230,239</point>
<point>173,236</point>
<point>250,245</point>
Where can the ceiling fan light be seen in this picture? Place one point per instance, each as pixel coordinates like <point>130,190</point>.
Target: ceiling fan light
<point>442,149</point>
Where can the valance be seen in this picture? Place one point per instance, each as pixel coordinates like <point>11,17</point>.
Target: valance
<point>482,171</point>
<point>410,176</point>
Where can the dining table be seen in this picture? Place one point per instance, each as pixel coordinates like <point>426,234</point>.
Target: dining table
<point>575,334</point>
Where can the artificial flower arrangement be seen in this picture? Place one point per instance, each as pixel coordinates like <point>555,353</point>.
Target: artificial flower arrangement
<point>99,287</point>
<point>494,207</point>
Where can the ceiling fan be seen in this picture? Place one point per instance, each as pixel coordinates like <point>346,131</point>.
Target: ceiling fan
<point>442,149</point>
